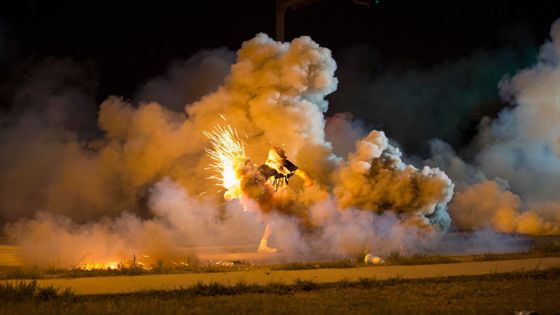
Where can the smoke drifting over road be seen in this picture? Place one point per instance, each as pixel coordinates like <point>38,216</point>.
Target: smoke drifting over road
<point>511,186</point>
<point>138,181</point>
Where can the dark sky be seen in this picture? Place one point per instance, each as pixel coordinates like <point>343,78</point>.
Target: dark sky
<point>129,43</point>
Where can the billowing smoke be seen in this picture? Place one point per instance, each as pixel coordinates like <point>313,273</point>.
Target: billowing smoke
<point>526,136</point>
<point>187,81</point>
<point>40,146</point>
<point>416,104</point>
<point>144,184</point>
<point>500,210</point>
<point>376,179</point>
<point>178,220</point>
<point>342,131</point>
<point>511,187</point>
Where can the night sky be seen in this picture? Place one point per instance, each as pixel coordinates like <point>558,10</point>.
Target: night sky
<point>126,44</point>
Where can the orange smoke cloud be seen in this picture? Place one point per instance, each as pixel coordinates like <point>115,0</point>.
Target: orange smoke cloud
<point>144,184</point>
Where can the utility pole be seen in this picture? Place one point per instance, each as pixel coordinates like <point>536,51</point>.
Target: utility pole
<point>284,5</point>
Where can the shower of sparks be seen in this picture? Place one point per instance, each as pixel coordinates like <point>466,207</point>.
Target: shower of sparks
<point>227,149</point>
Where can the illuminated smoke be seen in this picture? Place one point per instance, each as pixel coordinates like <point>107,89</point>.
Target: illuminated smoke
<point>376,179</point>
<point>144,186</point>
<point>522,145</point>
<point>500,210</point>
<point>512,186</point>
<point>343,132</point>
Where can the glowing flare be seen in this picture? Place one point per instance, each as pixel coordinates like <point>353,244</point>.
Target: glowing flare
<point>101,266</point>
<point>227,152</point>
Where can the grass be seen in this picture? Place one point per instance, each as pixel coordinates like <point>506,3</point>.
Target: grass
<point>537,251</point>
<point>25,292</point>
<point>216,289</point>
<point>395,258</point>
<point>22,291</point>
<point>346,263</point>
<point>499,293</point>
<point>35,272</point>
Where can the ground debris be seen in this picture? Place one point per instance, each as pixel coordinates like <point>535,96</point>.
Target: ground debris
<point>371,259</point>
<point>231,263</point>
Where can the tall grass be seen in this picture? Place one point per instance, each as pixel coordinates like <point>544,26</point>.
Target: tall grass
<point>346,263</point>
<point>132,267</point>
<point>26,291</point>
<point>299,285</point>
<point>29,291</point>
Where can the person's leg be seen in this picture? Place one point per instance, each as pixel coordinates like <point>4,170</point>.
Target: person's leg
<point>263,246</point>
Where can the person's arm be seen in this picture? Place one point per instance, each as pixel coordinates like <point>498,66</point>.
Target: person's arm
<point>299,173</point>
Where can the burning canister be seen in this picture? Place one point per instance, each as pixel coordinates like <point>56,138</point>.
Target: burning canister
<point>371,259</point>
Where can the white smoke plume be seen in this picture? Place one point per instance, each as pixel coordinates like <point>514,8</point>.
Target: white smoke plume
<point>522,144</point>
<point>526,137</point>
<point>483,204</point>
<point>511,187</point>
<point>415,104</point>
<point>179,220</point>
<point>144,185</point>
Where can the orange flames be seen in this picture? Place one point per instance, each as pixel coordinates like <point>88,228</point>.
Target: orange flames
<point>145,262</point>
<point>101,266</point>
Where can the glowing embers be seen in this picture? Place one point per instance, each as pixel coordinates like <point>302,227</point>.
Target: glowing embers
<point>142,263</point>
<point>227,152</point>
<point>101,266</point>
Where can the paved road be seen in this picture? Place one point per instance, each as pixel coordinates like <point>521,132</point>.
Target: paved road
<point>124,284</point>
<point>9,256</point>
